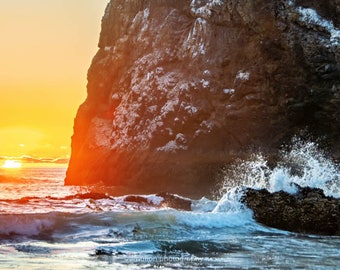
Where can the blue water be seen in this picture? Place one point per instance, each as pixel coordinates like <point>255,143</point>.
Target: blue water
<point>45,225</point>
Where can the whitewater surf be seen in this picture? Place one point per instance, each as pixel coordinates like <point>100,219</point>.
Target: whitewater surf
<point>43,223</point>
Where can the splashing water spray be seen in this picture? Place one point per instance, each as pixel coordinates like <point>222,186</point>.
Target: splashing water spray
<point>304,164</point>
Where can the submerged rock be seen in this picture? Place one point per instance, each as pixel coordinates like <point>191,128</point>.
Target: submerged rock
<point>180,88</point>
<point>307,211</point>
<point>166,200</point>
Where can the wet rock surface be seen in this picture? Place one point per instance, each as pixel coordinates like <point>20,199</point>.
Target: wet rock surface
<point>167,200</point>
<point>180,88</point>
<point>307,211</point>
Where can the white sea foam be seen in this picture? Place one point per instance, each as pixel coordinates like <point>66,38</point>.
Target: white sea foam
<point>154,199</point>
<point>304,164</point>
<point>215,219</point>
<point>230,202</point>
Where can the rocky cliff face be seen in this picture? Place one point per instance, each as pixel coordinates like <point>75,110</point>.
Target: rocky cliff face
<point>179,88</point>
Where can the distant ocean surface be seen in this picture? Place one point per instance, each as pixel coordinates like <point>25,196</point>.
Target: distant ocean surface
<point>45,225</point>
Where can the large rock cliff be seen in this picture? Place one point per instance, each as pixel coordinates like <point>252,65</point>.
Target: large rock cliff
<point>179,88</point>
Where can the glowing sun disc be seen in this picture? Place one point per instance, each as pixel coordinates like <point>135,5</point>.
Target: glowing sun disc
<point>11,164</point>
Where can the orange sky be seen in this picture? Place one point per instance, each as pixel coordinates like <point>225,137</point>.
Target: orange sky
<point>45,50</point>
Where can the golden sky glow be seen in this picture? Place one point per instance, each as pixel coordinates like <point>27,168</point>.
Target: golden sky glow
<point>45,50</point>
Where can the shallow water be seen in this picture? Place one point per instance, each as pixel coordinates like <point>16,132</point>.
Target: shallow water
<point>45,225</point>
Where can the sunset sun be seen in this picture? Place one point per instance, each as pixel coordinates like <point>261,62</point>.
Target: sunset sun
<point>11,164</point>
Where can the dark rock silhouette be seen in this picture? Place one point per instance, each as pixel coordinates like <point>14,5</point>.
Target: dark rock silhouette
<point>180,88</point>
<point>168,200</point>
<point>307,211</point>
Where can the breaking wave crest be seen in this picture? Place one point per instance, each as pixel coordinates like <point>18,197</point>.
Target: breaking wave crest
<point>107,226</point>
<point>82,214</point>
<point>304,164</point>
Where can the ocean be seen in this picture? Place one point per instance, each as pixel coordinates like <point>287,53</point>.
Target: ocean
<point>46,225</point>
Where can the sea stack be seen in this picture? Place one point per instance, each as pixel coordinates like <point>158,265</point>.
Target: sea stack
<point>179,88</point>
